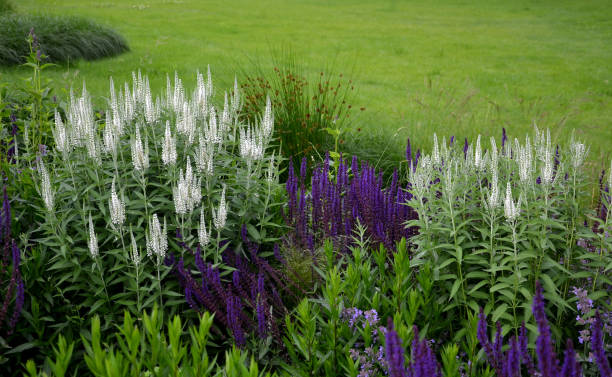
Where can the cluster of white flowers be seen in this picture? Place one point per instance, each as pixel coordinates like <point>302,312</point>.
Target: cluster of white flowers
<point>83,128</point>
<point>45,190</point>
<point>60,135</point>
<point>93,240</point>
<point>194,131</point>
<point>140,153</point>
<point>204,156</point>
<point>203,234</point>
<point>157,239</point>
<point>116,206</point>
<point>220,217</point>
<point>524,158</point>
<point>134,254</point>
<point>168,147</point>
<point>579,152</point>
<point>519,160</point>
<point>511,210</point>
<point>187,194</point>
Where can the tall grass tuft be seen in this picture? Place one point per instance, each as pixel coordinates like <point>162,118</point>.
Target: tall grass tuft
<point>62,39</point>
<point>310,113</point>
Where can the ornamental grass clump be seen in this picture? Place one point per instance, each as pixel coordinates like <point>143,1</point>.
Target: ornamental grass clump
<point>114,188</point>
<point>62,39</point>
<point>495,218</point>
<point>310,114</point>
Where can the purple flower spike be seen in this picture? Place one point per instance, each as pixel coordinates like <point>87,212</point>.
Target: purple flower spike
<point>504,137</point>
<point>547,360</point>
<point>465,148</point>
<point>598,347</point>
<point>512,366</point>
<point>525,356</point>
<point>408,152</point>
<point>394,352</point>
<point>571,367</point>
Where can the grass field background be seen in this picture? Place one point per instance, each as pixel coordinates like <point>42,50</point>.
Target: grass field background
<point>451,67</point>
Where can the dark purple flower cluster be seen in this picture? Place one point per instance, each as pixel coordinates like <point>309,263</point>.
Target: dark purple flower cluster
<point>509,364</point>
<point>423,361</point>
<point>10,275</point>
<point>335,206</point>
<point>249,303</point>
<point>11,145</point>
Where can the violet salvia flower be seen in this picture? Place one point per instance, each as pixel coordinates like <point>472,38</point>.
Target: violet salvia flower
<point>547,360</point>
<point>483,339</point>
<point>408,152</point>
<point>571,367</point>
<point>512,365</point>
<point>598,347</point>
<point>394,353</point>
<point>525,356</point>
<point>423,363</point>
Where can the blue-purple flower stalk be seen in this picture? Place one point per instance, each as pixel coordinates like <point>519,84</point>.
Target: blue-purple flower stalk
<point>248,303</point>
<point>423,361</point>
<point>334,207</point>
<point>509,364</point>
<point>9,266</point>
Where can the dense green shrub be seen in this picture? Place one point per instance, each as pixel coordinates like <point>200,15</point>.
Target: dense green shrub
<point>148,348</point>
<point>148,176</point>
<point>61,39</point>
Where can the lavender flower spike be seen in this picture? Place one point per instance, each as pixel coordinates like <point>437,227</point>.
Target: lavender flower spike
<point>394,352</point>
<point>547,360</point>
<point>598,347</point>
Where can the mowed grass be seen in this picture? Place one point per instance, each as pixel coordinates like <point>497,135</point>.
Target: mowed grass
<point>455,68</point>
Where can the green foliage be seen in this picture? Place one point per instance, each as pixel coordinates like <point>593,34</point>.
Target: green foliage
<point>150,350</point>
<point>6,6</point>
<point>62,39</point>
<point>75,284</point>
<point>487,254</point>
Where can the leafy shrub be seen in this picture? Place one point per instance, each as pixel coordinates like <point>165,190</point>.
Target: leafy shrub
<point>62,39</point>
<point>492,223</point>
<point>153,350</point>
<point>169,166</point>
<point>310,114</point>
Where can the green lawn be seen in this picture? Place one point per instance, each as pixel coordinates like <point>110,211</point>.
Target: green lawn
<point>457,68</point>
